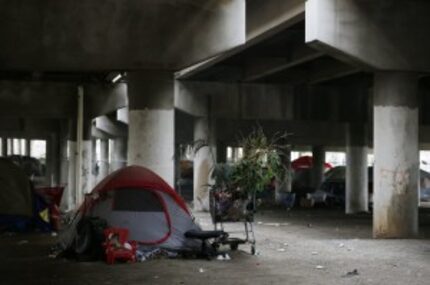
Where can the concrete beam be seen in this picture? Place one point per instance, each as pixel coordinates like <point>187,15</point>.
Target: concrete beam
<point>383,35</point>
<point>104,99</point>
<point>263,67</point>
<point>28,128</point>
<point>229,131</point>
<point>122,115</point>
<point>330,70</point>
<point>227,100</point>
<point>263,16</point>
<point>111,127</point>
<point>99,134</point>
<point>37,99</point>
<point>263,19</point>
<point>71,35</point>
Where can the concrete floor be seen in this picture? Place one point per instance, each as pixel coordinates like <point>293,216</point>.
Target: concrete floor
<point>291,245</point>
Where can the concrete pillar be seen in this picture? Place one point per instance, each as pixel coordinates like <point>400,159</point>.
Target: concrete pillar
<point>221,153</point>
<point>70,152</point>
<point>151,133</point>
<point>28,147</point>
<point>87,176</point>
<point>356,196</point>
<point>71,177</point>
<point>286,185</point>
<point>119,153</point>
<point>4,146</point>
<point>104,159</point>
<point>203,163</point>
<point>9,146</point>
<point>64,172</point>
<point>318,157</point>
<point>50,160</point>
<point>396,171</point>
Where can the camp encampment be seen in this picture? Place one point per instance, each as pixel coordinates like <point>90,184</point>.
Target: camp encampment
<point>139,200</point>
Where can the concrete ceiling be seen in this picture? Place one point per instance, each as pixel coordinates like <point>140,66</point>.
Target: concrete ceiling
<point>100,35</point>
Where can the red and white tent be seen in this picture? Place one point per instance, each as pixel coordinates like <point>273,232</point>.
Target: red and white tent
<point>141,201</point>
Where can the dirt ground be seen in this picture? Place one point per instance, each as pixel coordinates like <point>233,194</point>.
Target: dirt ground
<point>315,246</point>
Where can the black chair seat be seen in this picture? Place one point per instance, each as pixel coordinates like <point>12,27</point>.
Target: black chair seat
<point>203,235</point>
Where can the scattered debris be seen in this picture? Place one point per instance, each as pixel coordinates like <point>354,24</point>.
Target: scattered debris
<point>285,244</point>
<point>54,234</point>
<point>341,245</point>
<point>201,270</point>
<point>314,253</point>
<point>281,249</point>
<point>223,257</point>
<point>21,242</point>
<point>320,267</point>
<point>148,254</point>
<point>272,224</point>
<point>352,273</point>
<point>259,223</point>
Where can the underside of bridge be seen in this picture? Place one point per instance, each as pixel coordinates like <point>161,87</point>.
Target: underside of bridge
<point>89,87</point>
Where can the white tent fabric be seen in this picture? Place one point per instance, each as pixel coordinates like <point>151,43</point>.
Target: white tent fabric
<point>163,225</point>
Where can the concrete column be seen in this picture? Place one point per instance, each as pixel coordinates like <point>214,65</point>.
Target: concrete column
<point>356,197</point>
<point>221,153</point>
<point>64,172</point>
<point>50,160</point>
<point>71,176</point>
<point>28,146</point>
<point>318,156</point>
<point>4,146</point>
<point>119,153</point>
<point>203,163</point>
<point>104,160</point>
<point>286,185</point>
<point>396,171</point>
<point>151,133</point>
<point>70,152</point>
<point>87,176</point>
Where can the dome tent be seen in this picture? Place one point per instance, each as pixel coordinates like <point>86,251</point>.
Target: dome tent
<point>136,198</point>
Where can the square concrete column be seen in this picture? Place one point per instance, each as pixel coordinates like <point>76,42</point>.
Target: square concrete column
<point>286,185</point>
<point>4,146</point>
<point>80,163</point>
<point>318,159</point>
<point>203,164</point>
<point>151,122</point>
<point>104,160</point>
<point>396,171</point>
<point>87,177</point>
<point>356,196</point>
<point>119,153</point>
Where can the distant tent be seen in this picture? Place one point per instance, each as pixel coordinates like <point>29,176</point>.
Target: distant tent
<point>20,206</point>
<point>138,199</point>
<point>305,162</point>
<point>15,191</point>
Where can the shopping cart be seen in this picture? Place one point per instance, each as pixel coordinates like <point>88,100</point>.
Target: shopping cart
<point>234,207</point>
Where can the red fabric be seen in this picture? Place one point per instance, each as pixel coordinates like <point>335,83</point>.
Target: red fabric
<point>113,252</point>
<point>306,162</point>
<point>138,177</point>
